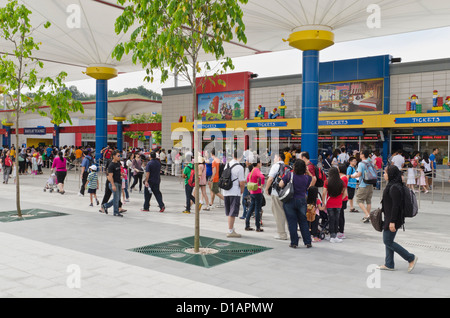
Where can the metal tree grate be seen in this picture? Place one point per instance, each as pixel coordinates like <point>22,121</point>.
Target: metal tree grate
<point>27,214</point>
<point>226,251</point>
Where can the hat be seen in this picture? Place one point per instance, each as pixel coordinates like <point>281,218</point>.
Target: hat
<point>93,168</point>
<point>201,159</point>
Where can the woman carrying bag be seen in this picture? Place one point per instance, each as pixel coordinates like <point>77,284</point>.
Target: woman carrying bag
<point>393,220</point>
<point>295,208</point>
<point>255,183</point>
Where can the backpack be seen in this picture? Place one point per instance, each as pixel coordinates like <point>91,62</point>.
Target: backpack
<point>320,176</point>
<point>370,174</point>
<point>376,218</point>
<point>410,208</point>
<point>311,212</point>
<point>280,174</point>
<point>191,181</point>
<point>225,181</point>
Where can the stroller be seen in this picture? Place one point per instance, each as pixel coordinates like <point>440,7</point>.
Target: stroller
<point>51,183</point>
<point>323,228</point>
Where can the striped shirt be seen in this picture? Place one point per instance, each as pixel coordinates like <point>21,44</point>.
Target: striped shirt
<point>92,180</point>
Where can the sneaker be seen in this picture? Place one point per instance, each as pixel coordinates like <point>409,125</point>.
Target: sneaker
<point>186,212</point>
<point>365,219</point>
<point>162,209</point>
<point>233,234</point>
<point>316,239</point>
<point>91,204</point>
<point>341,236</point>
<point>80,194</point>
<point>411,266</point>
<point>144,210</point>
<point>98,202</point>
<point>206,208</point>
<point>335,240</point>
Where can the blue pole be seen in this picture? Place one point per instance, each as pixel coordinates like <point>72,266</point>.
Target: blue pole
<point>56,136</point>
<point>310,104</point>
<point>101,117</point>
<point>120,135</point>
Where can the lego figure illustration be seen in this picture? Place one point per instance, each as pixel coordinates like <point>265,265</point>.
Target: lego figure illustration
<point>274,114</point>
<point>414,102</point>
<point>435,98</point>
<point>282,106</point>
<point>258,112</point>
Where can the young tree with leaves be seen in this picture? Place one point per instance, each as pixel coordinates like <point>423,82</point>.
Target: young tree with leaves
<point>19,71</point>
<point>172,36</point>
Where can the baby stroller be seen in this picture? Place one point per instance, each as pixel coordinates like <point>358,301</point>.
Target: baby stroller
<point>323,228</point>
<point>51,183</point>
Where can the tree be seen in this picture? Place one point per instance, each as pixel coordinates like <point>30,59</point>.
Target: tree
<point>171,36</point>
<point>19,71</point>
<point>144,119</point>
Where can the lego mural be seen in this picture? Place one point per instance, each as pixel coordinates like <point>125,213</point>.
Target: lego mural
<point>349,97</point>
<point>221,106</point>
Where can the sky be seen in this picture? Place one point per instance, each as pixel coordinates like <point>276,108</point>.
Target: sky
<point>411,47</point>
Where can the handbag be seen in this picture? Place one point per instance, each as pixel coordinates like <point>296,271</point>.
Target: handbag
<point>287,193</point>
<point>252,186</point>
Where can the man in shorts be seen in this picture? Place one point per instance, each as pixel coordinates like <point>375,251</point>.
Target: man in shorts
<point>232,197</point>
<point>365,191</point>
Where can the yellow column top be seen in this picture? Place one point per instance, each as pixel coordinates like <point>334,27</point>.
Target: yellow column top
<point>101,72</point>
<point>311,39</point>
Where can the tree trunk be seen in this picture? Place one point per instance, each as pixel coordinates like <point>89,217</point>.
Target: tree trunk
<point>196,188</point>
<point>16,159</point>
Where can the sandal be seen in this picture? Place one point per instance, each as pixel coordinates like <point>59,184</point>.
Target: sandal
<point>259,230</point>
<point>354,210</point>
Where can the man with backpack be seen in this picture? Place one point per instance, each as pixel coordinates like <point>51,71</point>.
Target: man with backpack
<point>313,171</point>
<point>232,195</point>
<point>365,190</point>
<point>276,173</point>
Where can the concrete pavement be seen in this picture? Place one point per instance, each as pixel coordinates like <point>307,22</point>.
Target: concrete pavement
<point>85,253</point>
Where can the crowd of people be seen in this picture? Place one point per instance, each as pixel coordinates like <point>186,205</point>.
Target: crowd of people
<point>321,192</point>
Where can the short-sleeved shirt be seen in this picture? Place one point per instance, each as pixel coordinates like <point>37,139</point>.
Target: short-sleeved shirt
<point>362,169</point>
<point>301,184</point>
<point>92,180</point>
<point>312,169</point>
<point>433,158</point>
<point>352,181</point>
<point>273,173</point>
<point>335,202</point>
<point>187,172</point>
<point>237,175</point>
<point>115,169</point>
<point>216,165</point>
<point>154,168</point>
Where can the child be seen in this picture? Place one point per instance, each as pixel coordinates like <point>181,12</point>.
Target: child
<point>411,181</point>
<point>124,173</point>
<point>313,201</point>
<point>39,163</point>
<point>34,164</point>
<point>351,183</point>
<point>92,184</point>
<point>421,180</point>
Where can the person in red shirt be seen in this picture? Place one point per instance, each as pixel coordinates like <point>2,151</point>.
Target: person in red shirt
<point>334,191</point>
<point>343,174</point>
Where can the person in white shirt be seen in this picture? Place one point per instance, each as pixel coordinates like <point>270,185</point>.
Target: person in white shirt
<point>398,160</point>
<point>343,156</point>
<point>232,197</point>
<point>277,205</point>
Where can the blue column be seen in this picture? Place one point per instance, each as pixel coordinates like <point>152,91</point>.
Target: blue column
<point>101,117</point>
<point>7,137</point>
<point>56,136</point>
<point>310,104</point>
<point>120,135</point>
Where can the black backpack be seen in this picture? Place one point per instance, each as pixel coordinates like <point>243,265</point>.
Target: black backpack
<point>225,181</point>
<point>280,174</point>
<point>320,176</point>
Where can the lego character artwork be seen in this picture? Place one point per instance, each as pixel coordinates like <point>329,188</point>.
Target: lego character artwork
<point>221,106</point>
<point>435,98</point>
<point>274,114</point>
<point>414,102</point>
<point>282,106</point>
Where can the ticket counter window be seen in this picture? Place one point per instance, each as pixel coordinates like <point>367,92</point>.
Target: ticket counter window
<point>351,144</point>
<point>406,143</point>
<point>428,143</point>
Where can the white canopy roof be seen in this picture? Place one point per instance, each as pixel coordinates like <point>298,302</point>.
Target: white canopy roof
<point>82,31</point>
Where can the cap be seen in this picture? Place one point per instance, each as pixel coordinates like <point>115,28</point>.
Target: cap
<point>93,167</point>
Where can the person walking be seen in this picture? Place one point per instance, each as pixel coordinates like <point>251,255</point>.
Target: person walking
<point>152,183</point>
<point>86,162</point>
<point>277,171</point>
<point>188,188</point>
<point>138,173</point>
<point>6,165</point>
<point>365,191</point>
<point>393,220</point>
<point>115,184</point>
<point>341,224</point>
<point>59,166</point>
<point>215,190</point>
<point>352,183</point>
<point>295,208</point>
<point>255,177</point>
<point>92,184</point>
<point>333,193</point>
<point>203,182</point>
<point>232,197</point>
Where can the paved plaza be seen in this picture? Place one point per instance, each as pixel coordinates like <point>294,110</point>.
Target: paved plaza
<point>87,254</point>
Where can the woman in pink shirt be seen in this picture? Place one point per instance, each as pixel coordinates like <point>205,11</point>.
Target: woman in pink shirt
<point>255,176</point>
<point>60,167</point>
